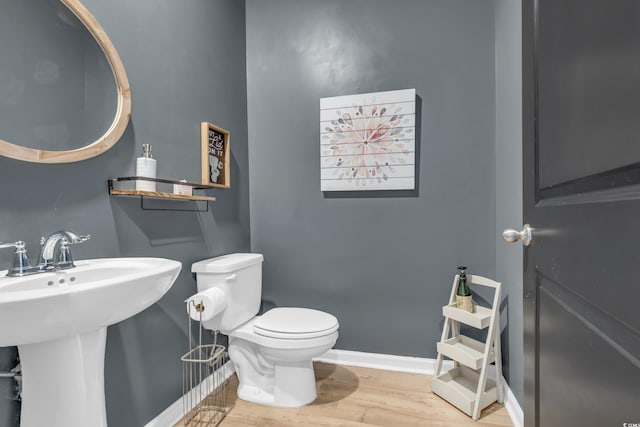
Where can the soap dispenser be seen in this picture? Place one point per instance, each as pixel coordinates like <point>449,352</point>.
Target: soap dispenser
<point>146,166</point>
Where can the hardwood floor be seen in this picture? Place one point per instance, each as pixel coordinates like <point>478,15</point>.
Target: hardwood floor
<point>351,396</point>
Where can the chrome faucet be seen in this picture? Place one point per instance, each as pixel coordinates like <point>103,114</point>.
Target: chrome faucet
<point>47,261</point>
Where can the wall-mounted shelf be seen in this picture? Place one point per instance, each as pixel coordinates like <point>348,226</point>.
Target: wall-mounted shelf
<point>159,195</point>
<point>126,186</point>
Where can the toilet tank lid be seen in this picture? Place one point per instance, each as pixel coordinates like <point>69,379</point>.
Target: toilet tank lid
<point>226,263</point>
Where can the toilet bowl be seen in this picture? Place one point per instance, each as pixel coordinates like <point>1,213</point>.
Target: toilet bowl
<point>273,359</point>
<point>272,353</point>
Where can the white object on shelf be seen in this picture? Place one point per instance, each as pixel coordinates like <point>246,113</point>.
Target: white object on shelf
<point>183,190</point>
<point>467,387</point>
<point>146,166</point>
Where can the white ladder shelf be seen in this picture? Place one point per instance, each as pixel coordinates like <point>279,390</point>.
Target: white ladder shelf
<point>466,386</point>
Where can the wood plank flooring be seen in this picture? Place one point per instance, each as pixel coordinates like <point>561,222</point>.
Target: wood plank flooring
<point>350,396</point>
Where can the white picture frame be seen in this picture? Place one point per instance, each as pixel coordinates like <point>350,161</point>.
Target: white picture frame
<point>368,141</point>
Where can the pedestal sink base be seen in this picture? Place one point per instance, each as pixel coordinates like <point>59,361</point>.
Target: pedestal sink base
<point>58,320</point>
<point>63,381</point>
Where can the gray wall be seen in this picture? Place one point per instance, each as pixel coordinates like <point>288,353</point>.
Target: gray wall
<point>381,262</point>
<point>186,64</point>
<point>509,184</point>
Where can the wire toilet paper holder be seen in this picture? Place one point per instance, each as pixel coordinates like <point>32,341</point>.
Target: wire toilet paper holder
<point>204,379</point>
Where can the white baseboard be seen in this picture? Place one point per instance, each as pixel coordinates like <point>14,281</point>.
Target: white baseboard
<point>389,362</point>
<point>418,365</point>
<point>513,407</point>
<point>174,413</point>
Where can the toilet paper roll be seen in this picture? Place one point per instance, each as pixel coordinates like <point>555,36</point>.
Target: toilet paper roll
<point>213,301</point>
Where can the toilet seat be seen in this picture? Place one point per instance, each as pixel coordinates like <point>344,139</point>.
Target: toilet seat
<point>295,323</point>
<point>248,333</point>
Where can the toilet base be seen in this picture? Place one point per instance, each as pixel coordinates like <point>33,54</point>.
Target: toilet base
<point>294,386</point>
<point>276,371</point>
<point>276,376</point>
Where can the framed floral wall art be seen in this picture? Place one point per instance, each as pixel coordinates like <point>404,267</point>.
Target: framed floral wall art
<point>367,141</point>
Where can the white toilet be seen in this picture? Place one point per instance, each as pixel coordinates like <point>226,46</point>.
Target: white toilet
<point>271,353</point>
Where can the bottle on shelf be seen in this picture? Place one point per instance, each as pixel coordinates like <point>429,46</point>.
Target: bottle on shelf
<point>464,300</point>
<point>146,166</point>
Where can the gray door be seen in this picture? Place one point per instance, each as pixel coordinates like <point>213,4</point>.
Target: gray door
<point>581,94</point>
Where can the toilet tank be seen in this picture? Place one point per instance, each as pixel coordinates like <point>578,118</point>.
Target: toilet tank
<point>239,276</point>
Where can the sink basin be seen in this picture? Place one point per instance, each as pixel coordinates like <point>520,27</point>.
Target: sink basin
<point>58,321</point>
<point>94,294</point>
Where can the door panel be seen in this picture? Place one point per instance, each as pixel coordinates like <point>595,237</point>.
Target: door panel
<point>589,87</point>
<point>587,249</point>
<point>578,389</point>
<point>581,133</point>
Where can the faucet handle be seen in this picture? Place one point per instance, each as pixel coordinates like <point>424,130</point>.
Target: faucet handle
<point>18,245</point>
<point>64,259</point>
<point>64,255</point>
<point>73,238</point>
<point>20,264</point>
<point>83,238</point>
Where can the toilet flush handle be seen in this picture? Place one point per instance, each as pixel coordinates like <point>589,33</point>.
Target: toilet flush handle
<point>231,278</point>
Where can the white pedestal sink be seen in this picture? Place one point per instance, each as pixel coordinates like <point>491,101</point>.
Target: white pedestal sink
<point>59,322</point>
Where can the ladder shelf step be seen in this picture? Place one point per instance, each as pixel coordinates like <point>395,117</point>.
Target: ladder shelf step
<point>465,350</point>
<point>480,319</point>
<point>459,386</point>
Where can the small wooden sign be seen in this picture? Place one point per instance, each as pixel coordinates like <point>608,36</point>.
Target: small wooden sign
<point>215,156</point>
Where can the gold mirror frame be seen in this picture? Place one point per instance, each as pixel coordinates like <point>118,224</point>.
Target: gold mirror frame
<point>123,111</point>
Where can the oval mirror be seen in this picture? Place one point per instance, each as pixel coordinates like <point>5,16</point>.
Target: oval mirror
<point>58,100</point>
